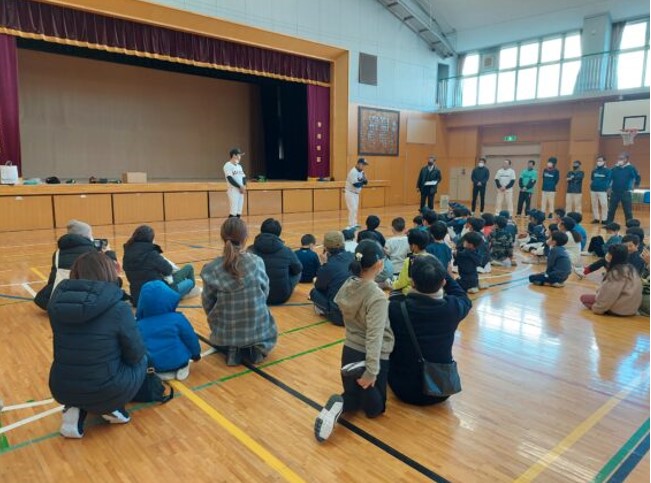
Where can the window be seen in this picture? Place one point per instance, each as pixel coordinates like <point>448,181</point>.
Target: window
<point>569,76</point>
<point>634,35</point>
<point>471,64</point>
<point>572,47</point>
<point>487,85</point>
<point>506,86</point>
<point>529,54</point>
<point>551,50</point>
<point>527,83</point>
<point>548,80</point>
<point>508,57</point>
<point>632,61</point>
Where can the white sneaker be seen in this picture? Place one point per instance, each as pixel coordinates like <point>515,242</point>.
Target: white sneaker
<point>166,376</point>
<point>72,423</point>
<point>354,369</point>
<point>473,290</point>
<point>586,253</point>
<point>327,418</point>
<point>579,272</point>
<point>183,373</point>
<point>195,292</point>
<point>318,311</point>
<point>119,416</point>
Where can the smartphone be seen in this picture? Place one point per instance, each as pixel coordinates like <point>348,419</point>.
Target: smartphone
<point>100,243</point>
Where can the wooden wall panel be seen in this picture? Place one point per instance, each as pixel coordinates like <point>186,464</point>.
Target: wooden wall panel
<point>138,208</point>
<point>326,200</point>
<point>373,197</point>
<point>265,202</point>
<point>297,201</point>
<point>92,209</point>
<point>186,206</point>
<point>25,213</point>
<point>219,207</point>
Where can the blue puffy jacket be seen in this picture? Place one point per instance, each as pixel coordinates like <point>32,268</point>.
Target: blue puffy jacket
<point>550,179</point>
<point>168,335</point>
<point>600,179</point>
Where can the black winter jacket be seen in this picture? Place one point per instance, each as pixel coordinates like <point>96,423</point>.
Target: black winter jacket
<point>332,274</point>
<point>99,357</point>
<point>280,263</point>
<point>142,263</point>
<point>434,323</point>
<point>70,247</point>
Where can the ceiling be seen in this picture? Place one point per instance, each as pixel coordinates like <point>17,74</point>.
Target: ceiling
<point>475,24</point>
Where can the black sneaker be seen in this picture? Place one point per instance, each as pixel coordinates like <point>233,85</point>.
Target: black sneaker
<point>234,357</point>
<point>254,355</point>
<point>595,222</point>
<point>327,418</point>
<point>119,416</point>
<point>354,369</point>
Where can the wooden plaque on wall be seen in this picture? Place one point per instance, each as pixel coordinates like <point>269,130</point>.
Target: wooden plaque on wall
<point>377,131</point>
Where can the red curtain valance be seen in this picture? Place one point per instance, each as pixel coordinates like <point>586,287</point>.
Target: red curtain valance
<point>30,19</point>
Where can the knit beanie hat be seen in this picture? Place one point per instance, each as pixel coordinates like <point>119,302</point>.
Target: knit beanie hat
<point>333,239</point>
<point>76,227</point>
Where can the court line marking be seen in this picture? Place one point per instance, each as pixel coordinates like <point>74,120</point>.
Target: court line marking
<point>614,462</point>
<point>15,297</point>
<point>36,417</point>
<point>32,404</point>
<point>253,446</point>
<point>423,470</point>
<point>578,432</point>
<point>38,273</point>
<point>632,461</point>
<point>29,289</point>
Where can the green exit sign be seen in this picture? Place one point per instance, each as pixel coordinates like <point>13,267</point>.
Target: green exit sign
<point>511,138</point>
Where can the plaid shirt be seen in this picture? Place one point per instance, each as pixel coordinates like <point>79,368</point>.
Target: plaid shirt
<point>237,309</point>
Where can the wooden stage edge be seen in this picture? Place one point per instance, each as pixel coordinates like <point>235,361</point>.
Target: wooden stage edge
<point>51,206</point>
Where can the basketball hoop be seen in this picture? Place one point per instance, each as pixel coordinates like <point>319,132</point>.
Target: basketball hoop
<point>628,136</point>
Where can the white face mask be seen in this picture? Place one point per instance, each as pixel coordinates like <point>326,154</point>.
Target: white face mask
<point>550,165</point>
<point>600,163</point>
<point>481,165</point>
<point>620,162</point>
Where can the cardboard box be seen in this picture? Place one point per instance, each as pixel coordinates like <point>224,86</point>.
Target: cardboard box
<point>133,177</point>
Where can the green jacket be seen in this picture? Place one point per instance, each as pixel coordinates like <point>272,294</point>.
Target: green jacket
<point>527,180</point>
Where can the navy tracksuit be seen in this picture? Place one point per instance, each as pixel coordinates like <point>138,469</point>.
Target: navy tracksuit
<point>623,179</point>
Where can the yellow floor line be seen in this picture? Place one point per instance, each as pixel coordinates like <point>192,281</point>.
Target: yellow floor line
<point>578,432</point>
<point>39,273</point>
<point>240,435</point>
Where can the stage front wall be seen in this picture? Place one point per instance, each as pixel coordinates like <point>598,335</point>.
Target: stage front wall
<point>82,117</point>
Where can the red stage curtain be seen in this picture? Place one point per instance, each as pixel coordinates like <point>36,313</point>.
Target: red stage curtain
<point>9,121</point>
<point>26,18</point>
<point>318,131</point>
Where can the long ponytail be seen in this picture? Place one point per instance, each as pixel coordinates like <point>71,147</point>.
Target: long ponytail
<point>234,234</point>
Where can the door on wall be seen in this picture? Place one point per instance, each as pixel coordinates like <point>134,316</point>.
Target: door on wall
<point>460,185</point>
<point>518,163</point>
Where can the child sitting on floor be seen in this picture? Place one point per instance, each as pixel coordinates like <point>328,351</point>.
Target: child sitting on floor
<point>384,279</point>
<point>349,240</point>
<point>511,227</point>
<point>167,334</point>
<point>534,240</point>
<point>418,223</point>
<point>467,259</point>
<point>438,247</point>
<point>501,244</point>
<point>308,258</point>
<point>397,246</point>
<point>620,292</point>
<point>559,265</point>
<point>418,241</point>
<point>489,224</point>
<point>372,224</point>
<point>599,247</point>
<point>578,218</point>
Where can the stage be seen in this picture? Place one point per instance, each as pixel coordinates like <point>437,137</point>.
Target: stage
<point>51,206</point>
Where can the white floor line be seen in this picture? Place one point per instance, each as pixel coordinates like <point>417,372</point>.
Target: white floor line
<point>29,289</point>
<point>26,405</point>
<point>31,419</point>
<point>207,352</point>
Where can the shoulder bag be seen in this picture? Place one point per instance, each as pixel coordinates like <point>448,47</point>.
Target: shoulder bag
<point>439,378</point>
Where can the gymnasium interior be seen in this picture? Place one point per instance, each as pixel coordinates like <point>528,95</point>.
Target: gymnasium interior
<point>123,113</point>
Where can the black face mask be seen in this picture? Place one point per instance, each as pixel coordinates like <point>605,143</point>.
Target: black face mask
<point>430,164</point>
<point>576,166</point>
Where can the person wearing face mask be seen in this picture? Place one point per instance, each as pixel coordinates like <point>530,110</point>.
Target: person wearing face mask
<point>528,179</point>
<point>573,198</point>
<point>599,184</point>
<point>480,176</point>
<point>624,177</point>
<point>550,180</point>
<point>504,180</point>
<point>429,179</point>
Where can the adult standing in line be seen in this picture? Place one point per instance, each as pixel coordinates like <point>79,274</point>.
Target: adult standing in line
<point>599,185</point>
<point>573,198</point>
<point>236,182</point>
<point>480,176</point>
<point>355,180</point>
<point>504,180</point>
<point>527,180</point>
<point>429,179</point>
<point>550,180</point>
<point>624,177</point>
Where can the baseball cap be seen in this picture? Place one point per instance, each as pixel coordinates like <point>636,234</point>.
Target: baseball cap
<point>333,239</point>
<point>362,161</point>
<point>612,226</point>
<point>235,151</point>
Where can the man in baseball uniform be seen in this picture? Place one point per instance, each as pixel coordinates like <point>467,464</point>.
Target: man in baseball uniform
<point>354,182</point>
<point>236,182</point>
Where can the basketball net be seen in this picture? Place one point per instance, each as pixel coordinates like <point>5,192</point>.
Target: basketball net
<point>628,136</point>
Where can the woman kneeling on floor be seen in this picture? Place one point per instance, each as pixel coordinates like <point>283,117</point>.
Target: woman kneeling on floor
<point>99,357</point>
<point>235,290</point>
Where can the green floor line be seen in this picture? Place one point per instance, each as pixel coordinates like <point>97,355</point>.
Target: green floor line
<point>623,452</point>
<point>138,407</point>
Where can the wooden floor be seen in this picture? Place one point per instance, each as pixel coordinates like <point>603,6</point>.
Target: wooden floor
<point>551,392</point>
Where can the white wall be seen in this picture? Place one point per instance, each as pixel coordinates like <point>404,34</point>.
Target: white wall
<point>406,65</point>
